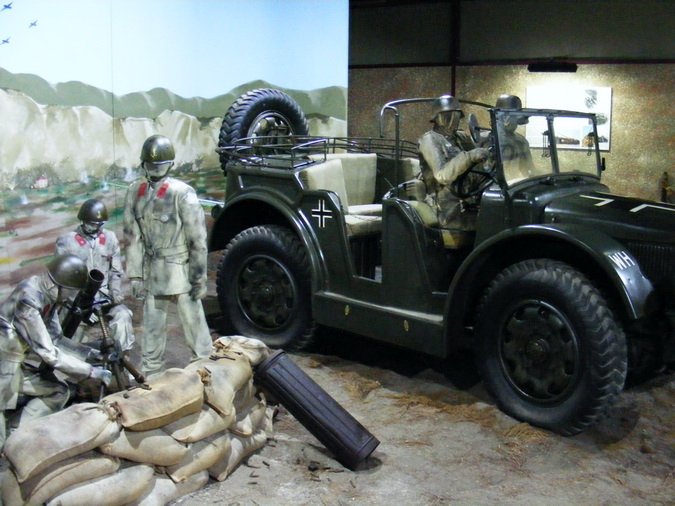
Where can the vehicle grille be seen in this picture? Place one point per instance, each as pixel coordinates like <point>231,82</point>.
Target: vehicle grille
<point>657,261</point>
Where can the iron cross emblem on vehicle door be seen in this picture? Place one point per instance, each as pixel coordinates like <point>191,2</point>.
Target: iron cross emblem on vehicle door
<point>321,213</point>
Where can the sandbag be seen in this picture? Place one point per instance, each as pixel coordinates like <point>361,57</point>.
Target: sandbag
<point>250,419</point>
<point>255,350</point>
<point>56,478</point>
<point>223,377</point>
<point>240,448</point>
<point>198,426</point>
<point>165,490</point>
<point>123,487</point>
<point>203,454</point>
<point>148,447</point>
<point>173,394</point>
<point>37,444</point>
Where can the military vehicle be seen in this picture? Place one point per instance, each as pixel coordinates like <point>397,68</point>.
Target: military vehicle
<point>558,287</point>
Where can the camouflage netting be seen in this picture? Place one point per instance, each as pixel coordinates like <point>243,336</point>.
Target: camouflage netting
<point>145,446</point>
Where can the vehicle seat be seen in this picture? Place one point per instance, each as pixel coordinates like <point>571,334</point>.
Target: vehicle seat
<point>354,186</point>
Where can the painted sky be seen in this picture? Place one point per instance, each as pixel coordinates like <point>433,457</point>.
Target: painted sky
<point>195,48</point>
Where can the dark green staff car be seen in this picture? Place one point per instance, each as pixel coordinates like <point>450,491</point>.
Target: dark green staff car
<point>560,289</point>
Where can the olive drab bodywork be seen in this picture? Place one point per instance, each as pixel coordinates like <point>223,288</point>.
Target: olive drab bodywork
<point>560,289</point>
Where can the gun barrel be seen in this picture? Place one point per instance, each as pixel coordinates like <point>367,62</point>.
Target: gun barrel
<point>82,304</point>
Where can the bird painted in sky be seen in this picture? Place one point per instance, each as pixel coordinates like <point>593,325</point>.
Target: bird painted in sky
<point>7,6</point>
<point>32,24</point>
<point>5,41</point>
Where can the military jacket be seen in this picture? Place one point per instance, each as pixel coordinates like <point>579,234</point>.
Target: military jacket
<point>165,228</point>
<point>443,158</point>
<point>27,325</point>
<point>101,252</point>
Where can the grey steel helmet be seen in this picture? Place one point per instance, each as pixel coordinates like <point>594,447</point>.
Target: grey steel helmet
<point>511,103</point>
<point>157,149</point>
<point>68,271</point>
<point>93,210</point>
<point>445,103</point>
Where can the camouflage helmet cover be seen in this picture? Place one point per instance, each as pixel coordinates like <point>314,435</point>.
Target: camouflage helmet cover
<point>93,210</point>
<point>68,271</point>
<point>445,103</point>
<point>157,149</point>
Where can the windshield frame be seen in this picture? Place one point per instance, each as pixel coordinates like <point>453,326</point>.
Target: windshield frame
<point>551,143</point>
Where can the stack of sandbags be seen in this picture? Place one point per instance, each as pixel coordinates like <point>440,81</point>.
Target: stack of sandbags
<point>147,445</point>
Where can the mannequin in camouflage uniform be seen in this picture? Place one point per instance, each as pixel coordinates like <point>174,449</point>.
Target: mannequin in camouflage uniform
<point>100,249</point>
<point>445,154</point>
<point>514,148</point>
<point>29,328</point>
<point>166,258</point>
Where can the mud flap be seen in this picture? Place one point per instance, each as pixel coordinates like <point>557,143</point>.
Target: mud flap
<point>315,409</point>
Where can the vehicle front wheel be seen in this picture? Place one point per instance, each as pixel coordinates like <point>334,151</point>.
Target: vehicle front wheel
<point>549,349</point>
<point>264,287</point>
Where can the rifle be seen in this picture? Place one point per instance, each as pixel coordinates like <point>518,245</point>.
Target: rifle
<point>83,305</point>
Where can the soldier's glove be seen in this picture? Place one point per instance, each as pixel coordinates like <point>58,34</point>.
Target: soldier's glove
<point>198,291</point>
<point>102,374</point>
<point>138,288</point>
<point>479,154</point>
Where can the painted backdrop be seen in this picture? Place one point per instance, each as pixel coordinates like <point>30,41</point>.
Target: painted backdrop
<point>83,83</point>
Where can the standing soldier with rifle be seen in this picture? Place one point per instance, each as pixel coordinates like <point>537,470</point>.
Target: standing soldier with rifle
<point>29,327</point>
<point>166,256</point>
<point>100,250</point>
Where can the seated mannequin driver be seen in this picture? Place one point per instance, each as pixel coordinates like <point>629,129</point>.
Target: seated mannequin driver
<point>514,148</point>
<point>445,154</point>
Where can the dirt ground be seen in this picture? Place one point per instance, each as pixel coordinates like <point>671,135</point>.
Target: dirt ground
<point>440,444</point>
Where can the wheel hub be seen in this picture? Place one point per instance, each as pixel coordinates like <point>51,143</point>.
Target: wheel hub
<point>539,351</point>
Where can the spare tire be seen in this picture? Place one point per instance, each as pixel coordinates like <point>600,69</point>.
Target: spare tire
<point>261,112</point>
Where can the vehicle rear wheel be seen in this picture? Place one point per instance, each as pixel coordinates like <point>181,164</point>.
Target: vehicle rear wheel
<point>549,349</point>
<point>264,287</point>
<point>263,112</point>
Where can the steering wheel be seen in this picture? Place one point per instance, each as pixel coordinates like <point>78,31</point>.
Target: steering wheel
<point>474,180</point>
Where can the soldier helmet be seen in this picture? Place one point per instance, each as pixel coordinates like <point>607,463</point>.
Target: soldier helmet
<point>157,149</point>
<point>512,103</point>
<point>93,210</point>
<point>68,271</point>
<point>445,103</point>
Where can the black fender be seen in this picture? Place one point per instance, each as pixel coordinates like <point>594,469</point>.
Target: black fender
<point>265,207</point>
<point>591,248</point>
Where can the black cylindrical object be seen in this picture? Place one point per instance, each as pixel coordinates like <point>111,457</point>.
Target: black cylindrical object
<point>314,408</point>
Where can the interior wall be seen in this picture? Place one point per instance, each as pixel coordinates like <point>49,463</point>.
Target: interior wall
<point>643,109</point>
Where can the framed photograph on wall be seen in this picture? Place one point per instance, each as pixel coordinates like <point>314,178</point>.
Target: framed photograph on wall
<point>595,99</point>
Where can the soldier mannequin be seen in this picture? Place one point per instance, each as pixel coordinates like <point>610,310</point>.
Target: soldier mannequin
<point>100,249</point>
<point>166,257</point>
<point>446,154</point>
<point>29,324</point>
<point>514,148</point>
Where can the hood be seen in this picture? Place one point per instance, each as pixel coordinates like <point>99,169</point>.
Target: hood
<point>624,218</point>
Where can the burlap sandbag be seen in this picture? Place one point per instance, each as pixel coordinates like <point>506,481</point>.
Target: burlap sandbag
<point>165,490</point>
<point>249,419</point>
<point>173,394</point>
<point>240,448</point>
<point>223,377</point>
<point>56,478</point>
<point>37,444</point>
<point>148,447</point>
<point>203,454</point>
<point>123,487</point>
<point>255,350</point>
<point>198,426</point>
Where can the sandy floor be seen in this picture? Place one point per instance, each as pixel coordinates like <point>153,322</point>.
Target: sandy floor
<point>441,444</point>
